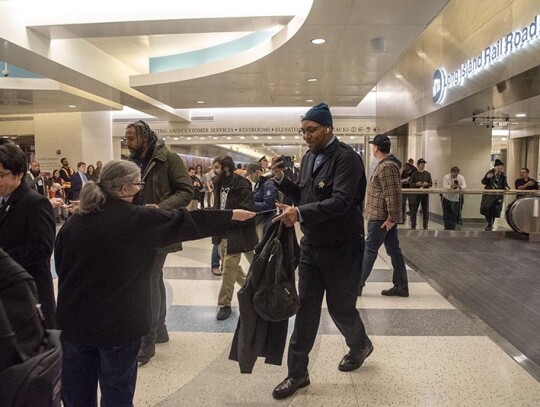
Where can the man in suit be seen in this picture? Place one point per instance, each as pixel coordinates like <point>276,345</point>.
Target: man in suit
<point>27,225</point>
<point>329,196</point>
<point>77,182</point>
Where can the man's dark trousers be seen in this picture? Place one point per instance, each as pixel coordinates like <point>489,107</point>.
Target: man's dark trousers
<point>158,296</point>
<point>375,238</point>
<point>332,268</point>
<point>450,213</point>
<point>414,203</point>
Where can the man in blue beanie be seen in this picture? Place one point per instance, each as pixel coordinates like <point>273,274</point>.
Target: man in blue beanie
<point>328,196</point>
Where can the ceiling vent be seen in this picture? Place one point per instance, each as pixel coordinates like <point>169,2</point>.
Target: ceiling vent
<point>207,118</point>
<point>16,119</point>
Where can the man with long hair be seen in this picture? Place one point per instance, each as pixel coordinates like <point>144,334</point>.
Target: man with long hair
<point>167,185</point>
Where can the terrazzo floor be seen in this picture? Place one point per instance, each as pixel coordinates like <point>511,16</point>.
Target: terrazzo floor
<point>427,353</point>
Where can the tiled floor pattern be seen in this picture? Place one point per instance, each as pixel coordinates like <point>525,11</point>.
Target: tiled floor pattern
<point>427,353</point>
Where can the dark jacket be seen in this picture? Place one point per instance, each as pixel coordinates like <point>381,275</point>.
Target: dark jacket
<point>492,204</point>
<point>65,174</point>
<point>330,199</point>
<point>255,336</point>
<point>167,182</point>
<point>265,196</point>
<point>76,186</point>
<point>27,229</point>
<point>242,237</point>
<point>423,176</point>
<point>196,189</point>
<point>104,261</point>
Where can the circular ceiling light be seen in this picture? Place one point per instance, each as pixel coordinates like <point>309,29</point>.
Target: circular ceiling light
<point>200,102</point>
<point>312,80</point>
<point>318,41</point>
<point>72,106</point>
<point>309,100</point>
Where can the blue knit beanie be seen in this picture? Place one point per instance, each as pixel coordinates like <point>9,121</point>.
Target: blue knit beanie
<point>320,114</point>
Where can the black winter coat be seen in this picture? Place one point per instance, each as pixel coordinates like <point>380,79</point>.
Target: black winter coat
<point>255,336</point>
<point>104,261</point>
<point>241,237</point>
<point>27,229</point>
<point>330,199</point>
<point>491,205</point>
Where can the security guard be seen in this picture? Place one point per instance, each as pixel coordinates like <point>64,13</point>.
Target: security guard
<point>328,195</point>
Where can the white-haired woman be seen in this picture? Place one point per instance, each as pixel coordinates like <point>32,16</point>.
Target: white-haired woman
<point>103,257</point>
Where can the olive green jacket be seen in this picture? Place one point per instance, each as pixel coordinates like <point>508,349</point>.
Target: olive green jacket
<point>166,183</point>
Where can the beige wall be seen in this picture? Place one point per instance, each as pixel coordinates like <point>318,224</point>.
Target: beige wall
<point>78,136</point>
<point>96,136</point>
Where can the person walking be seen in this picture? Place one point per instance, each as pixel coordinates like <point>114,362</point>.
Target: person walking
<point>328,196</point>
<point>383,213</point>
<point>232,191</point>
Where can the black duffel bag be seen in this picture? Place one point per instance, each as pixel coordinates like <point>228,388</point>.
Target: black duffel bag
<point>30,355</point>
<point>276,298</point>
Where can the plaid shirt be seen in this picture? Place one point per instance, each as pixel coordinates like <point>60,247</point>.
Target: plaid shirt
<point>384,192</point>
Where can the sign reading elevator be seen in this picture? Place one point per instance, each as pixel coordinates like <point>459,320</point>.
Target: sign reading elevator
<point>505,46</point>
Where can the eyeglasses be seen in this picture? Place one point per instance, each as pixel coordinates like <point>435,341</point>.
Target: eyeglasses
<point>3,174</point>
<point>140,184</point>
<point>309,130</point>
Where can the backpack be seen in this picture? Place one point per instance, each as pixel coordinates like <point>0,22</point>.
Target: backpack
<point>276,298</point>
<point>30,355</point>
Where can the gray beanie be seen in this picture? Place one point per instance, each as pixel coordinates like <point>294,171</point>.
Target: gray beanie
<point>320,114</point>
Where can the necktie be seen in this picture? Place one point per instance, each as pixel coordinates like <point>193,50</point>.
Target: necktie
<point>317,162</point>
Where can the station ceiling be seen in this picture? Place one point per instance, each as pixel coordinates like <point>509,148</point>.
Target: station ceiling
<point>164,58</point>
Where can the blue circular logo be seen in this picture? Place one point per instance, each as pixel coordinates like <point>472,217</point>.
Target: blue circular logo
<point>439,88</point>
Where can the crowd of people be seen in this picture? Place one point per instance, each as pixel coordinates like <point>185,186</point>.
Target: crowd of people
<point>126,216</point>
<point>64,185</point>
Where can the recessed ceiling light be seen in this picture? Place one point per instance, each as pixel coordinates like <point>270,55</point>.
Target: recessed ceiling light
<point>72,106</point>
<point>200,102</point>
<point>242,137</point>
<point>176,138</point>
<point>283,137</point>
<point>312,80</point>
<point>318,41</point>
<point>309,100</point>
<point>269,137</point>
<point>521,115</point>
<point>189,138</point>
<point>297,137</point>
<point>256,137</point>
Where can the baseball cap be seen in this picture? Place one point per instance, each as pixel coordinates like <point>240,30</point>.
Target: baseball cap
<point>420,161</point>
<point>380,140</point>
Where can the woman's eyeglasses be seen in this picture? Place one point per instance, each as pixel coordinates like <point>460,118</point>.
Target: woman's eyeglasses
<point>140,184</point>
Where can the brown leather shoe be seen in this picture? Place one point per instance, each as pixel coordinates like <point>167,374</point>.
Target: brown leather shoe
<point>289,386</point>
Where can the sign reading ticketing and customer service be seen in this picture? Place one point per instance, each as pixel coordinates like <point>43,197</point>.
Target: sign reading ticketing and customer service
<point>507,45</point>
